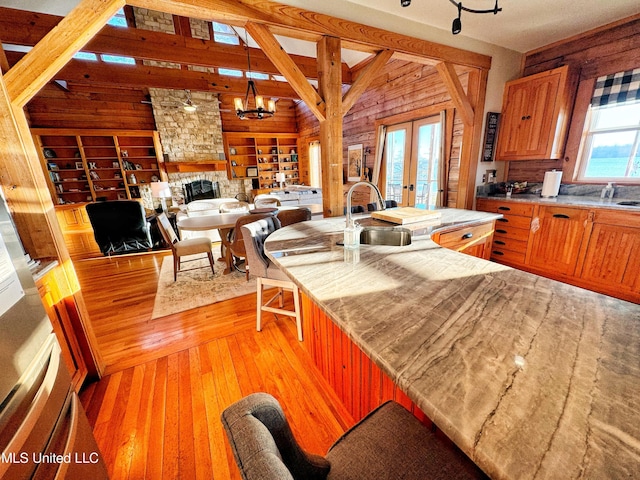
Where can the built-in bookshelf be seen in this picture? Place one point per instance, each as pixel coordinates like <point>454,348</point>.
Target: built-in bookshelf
<point>261,156</point>
<point>90,165</point>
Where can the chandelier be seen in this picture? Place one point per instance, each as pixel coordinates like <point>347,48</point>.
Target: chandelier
<point>253,107</point>
<point>456,26</point>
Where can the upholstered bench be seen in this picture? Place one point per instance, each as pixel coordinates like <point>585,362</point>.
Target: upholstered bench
<point>389,443</point>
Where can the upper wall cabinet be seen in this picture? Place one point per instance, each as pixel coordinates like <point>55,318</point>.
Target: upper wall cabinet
<point>535,116</point>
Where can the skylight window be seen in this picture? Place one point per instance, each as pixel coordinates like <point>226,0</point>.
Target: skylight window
<point>223,33</point>
<point>257,76</point>
<point>118,59</point>
<point>86,56</point>
<point>119,19</point>
<point>230,72</point>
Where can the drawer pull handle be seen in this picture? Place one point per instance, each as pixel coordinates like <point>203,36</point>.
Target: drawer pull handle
<point>560,215</point>
<point>503,220</point>
<point>497,252</point>
<point>467,236</point>
<point>501,231</point>
<point>499,242</point>
<point>504,208</point>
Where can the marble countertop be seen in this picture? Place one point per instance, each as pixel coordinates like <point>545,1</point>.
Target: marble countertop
<point>532,378</point>
<point>568,200</point>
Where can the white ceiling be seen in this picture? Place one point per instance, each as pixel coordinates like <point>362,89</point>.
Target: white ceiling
<point>522,25</point>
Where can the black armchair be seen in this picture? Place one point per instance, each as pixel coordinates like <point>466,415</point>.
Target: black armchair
<point>120,226</point>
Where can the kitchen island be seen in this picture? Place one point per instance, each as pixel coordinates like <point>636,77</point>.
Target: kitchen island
<point>530,377</point>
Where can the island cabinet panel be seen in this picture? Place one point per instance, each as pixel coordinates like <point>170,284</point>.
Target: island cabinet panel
<point>556,237</point>
<point>611,260</point>
<point>535,111</point>
<point>358,382</point>
<point>473,240</point>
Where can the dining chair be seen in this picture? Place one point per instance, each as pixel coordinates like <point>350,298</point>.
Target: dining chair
<point>234,207</point>
<point>183,248</point>
<point>388,443</point>
<point>263,201</point>
<point>236,242</point>
<point>294,215</point>
<point>267,274</point>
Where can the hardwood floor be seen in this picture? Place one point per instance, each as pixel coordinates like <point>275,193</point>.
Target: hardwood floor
<point>156,415</point>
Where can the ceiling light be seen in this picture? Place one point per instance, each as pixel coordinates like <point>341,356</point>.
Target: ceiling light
<point>256,110</point>
<point>188,104</point>
<point>456,26</point>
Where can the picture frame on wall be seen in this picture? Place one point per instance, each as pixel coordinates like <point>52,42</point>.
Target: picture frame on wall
<point>354,162</point>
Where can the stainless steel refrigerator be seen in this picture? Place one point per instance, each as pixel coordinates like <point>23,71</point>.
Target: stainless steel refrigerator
<point>44,432</point>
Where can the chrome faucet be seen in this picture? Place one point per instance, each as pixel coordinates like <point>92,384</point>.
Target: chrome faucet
<point>350,221</point>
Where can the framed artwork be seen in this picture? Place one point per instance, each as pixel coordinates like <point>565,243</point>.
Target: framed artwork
<point>490,136</point>
<point>354,162</point>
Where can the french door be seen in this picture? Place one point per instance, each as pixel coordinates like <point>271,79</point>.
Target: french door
<point>413,163</point>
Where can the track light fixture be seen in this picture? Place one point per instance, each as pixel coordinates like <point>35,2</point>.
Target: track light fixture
<point>456,26</point>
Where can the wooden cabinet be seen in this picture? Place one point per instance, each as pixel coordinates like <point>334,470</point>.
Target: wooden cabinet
<point>556,237</point>
<point>594,248</point>
<point>262,156</point>
<point>611,255</point>
<point>474,240</point>
<point>535,116</point>
<point>90,165</point>
<point>511,236</point>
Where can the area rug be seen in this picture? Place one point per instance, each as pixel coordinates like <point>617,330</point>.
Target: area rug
<point>195,288</point>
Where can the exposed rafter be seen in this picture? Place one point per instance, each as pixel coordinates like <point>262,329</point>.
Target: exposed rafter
<point>142,76</point>
<point>367,74</point>
<point>451,80</point>
<point>28,28</point>
<point>288,68</point>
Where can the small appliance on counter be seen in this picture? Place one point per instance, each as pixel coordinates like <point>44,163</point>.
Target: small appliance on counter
<point>551,184</point>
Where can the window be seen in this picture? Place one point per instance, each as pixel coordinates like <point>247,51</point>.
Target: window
<point>118,59</point>
<point>230,72</point>
<point>315,165</point>
<point>119,19</point>
<point>611,141</point>
<point>86,56</point>
<point>224,34</point>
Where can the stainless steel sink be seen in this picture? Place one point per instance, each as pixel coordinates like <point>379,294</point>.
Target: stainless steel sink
<point>396,237</point>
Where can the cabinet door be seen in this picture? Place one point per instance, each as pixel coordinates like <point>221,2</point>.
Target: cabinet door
<point>556,236</point>
<point>612,258</point>
<point>533,123</point>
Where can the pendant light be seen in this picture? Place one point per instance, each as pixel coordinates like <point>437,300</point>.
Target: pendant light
<point>456,26</point>
<point>253,108</point>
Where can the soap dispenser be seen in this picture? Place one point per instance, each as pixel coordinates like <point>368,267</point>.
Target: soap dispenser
<point>608,191</point>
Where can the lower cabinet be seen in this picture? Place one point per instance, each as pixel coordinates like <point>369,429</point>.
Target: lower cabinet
<point>555,239</point>
<point>611,260</point>
<point>473,240</point>
<point>593,248</point>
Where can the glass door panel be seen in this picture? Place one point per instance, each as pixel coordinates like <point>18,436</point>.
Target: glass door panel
<point>427,144</point>
<point>397,152</point>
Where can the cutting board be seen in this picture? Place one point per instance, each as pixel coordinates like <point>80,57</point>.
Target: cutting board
<point>404,215</point>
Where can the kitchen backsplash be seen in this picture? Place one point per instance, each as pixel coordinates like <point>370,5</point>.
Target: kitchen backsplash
<point>582,190</point>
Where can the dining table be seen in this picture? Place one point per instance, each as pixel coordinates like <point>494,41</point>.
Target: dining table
<point>223,222</point>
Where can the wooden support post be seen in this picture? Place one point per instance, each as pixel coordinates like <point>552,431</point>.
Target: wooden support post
<point>330,86</point>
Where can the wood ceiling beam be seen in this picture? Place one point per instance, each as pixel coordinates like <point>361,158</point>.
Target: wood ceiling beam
<point>37,68</point>
<point>288,68</point>
<point>142,76</point>
<point>299,23</point>
<point>366,76</point>
<point>450,78</point>
<point>4,63</point>
<point>28,28</point>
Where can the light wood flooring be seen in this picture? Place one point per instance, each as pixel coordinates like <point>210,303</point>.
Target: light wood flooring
<point>156,415</point>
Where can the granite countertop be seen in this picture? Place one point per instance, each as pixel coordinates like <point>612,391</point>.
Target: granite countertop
<point>532,378</point>
<point>568,200</point>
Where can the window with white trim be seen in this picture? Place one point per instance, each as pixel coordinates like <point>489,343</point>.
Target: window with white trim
<point>610,147</point>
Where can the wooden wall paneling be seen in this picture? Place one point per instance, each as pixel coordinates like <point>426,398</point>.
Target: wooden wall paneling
<point>617,39</point>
